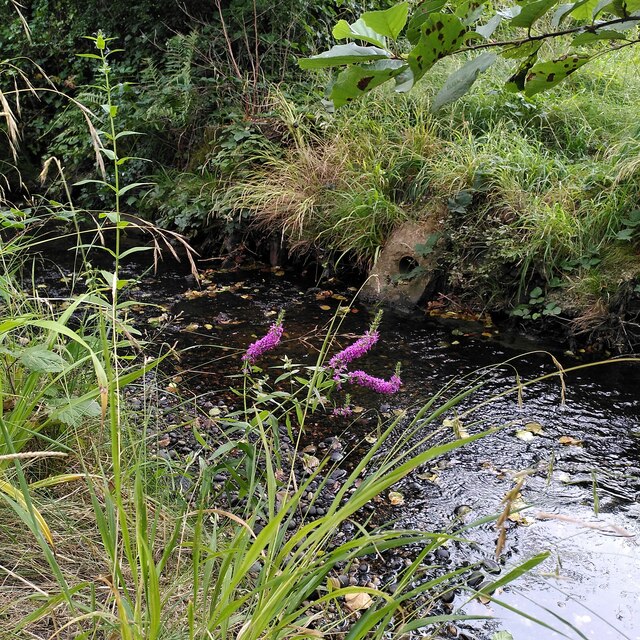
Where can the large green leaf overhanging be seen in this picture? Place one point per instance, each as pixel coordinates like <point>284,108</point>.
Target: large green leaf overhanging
<point>532,12</point>
<point>420,15</point>
<point>441,34</point>
<point>358,31</point>
<point>545,75</point>
<point>360,79</point>
<point>389,22</point>
<point>458,83</point>
<point>343,54</point>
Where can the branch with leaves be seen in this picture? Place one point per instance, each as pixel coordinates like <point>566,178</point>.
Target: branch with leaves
<point>391,46</point>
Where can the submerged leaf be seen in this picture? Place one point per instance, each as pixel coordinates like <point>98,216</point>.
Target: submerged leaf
<point>358,601</point>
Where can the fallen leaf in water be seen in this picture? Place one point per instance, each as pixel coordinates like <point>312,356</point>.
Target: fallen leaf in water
<point>371,438</point>
<point>358,409</point>
<point>357,601</point>
<point>309,463</point>
<point>568,440</point>
<point>338,297</point>
<point>192,327</point>
<point>396,498</point>
<point>208,327</point>
<point>456,425</point>
<point>325,307</point>
<point>534,427</point>
<point>527,436</point>
<point>321,295</point>
<point>278,273</point>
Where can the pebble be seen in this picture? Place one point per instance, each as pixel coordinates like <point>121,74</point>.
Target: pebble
<point>491,566</point>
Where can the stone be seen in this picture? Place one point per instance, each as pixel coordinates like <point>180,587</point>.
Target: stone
<point>399,258</point>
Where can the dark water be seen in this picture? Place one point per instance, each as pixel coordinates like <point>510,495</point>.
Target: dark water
<point>590,585</point>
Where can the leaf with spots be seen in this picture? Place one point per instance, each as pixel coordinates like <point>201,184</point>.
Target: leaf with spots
<point>532,12</point>
<point>358,31</point>
<point>357,80</point>
<point>545,75</point>
<point>389,22</point>
<point>442,34</point>
<point>343,54</point>
<point>419,17</point>
<point>517,80</point>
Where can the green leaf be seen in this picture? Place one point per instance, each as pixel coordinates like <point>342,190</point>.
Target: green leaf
<point>360,79</point>
<point>73,413</point>
<point>486,31</point>
<point>469,11</point>
<point>545,75</point>
<point>109,153</point>
<point>358,31</point>
<point>527,49</point>
<point>441,34</point>
<point>123,134</point>
<point>532,12</point>
<point>501,635</point>
<point>343,54</point>
<point>389,22</point>
<point>584,10</point>
<point>133,185</point>
<point>420,15</point>
<point>561,13</point>
<point>458,83</point>
<point>517,81</point>
<point>590,36</point>
<point>100,42</point>
<point>535,293</point>
<point>42,360</point>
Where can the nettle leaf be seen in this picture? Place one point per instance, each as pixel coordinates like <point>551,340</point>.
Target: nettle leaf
<point>460,82</point>
<point>42,360</point>
<point>532,12</point>
<point>75,411</point>
<point>389,22</point>
<point>442,34</point>
<point>420,15</point>
<point>545,75</point>
<point>343,54</point>
<point>358,80</point>
<point>358,31</point>
<point>590,36</point>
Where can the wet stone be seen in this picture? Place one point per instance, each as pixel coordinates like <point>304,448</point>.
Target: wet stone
<point>491,566</point>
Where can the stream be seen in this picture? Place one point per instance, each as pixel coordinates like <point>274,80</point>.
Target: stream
<point>580,457</point>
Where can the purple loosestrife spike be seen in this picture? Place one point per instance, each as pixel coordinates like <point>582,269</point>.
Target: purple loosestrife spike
<point>266,343</point>
<point>379,385</point>
<point>340,361</point>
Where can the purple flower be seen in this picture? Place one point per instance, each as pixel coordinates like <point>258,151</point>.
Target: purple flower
<point>343,411</point>
<point>266,343</point>
<point>378,385</point>
<point>340,361</point>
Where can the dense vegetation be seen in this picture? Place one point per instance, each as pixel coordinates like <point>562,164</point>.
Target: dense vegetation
<point>538,193</point>
<point>539,201</point>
